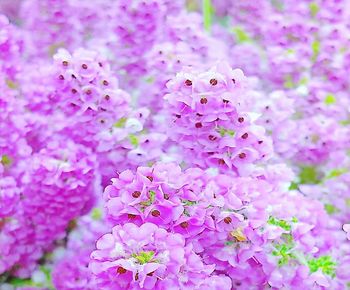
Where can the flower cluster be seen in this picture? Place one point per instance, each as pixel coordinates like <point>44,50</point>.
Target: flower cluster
<point>210,118</point>
<point>146,257</point>
<point>158,144</point>
<point>56,186</point>
<point>89,92</point>
<point>231,222</point>
<point>66,23</point>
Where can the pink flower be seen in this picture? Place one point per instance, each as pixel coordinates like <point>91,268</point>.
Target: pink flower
<point>145,256</point>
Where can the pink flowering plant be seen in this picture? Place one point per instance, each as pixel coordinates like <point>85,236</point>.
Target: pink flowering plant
<point>185,144</point>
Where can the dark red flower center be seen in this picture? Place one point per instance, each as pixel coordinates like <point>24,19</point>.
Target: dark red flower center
<point>242,155</point>
<point>136,194</point>
<point>204,101</point>
<point>213,82</point>
<point>121,270</point>
<point>184,225</point>
<point>188,83</point>
<point>227,220</point>
<point>155,213</point>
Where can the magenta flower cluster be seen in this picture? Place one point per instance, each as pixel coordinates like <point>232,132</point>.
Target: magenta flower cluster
<point>211,119</point>
<point>184,144</point>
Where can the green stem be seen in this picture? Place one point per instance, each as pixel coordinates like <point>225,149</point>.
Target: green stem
<point>207,14</point>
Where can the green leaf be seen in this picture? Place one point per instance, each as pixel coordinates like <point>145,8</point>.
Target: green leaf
<point>284,251</point>
<point>330,208</point>
<point>144,257</point>
<point>133,140</point>
<point>120,123</point>
<point>330,99</point>
<point>345,122</point>
<point>152,195</point>
<point>290,51</point>
<point>96,214</point>
<point>308,175</point>
<point>279,223</point>
<point>314,8</point>
<point>325,263</point>
<point>226,132</point>
<point>288,82</point>
<point>303,81</point>
<point>288,238</point>
<point>150,80</point>
<point>336,172</point>
<point>187,202</point>
<point>293,186</point>
<point>11,84</point>
<point>5,160</point>
<point>316,47</point>
<point>47,273</point>
<point>18,282</point>
<point>240,35</point>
